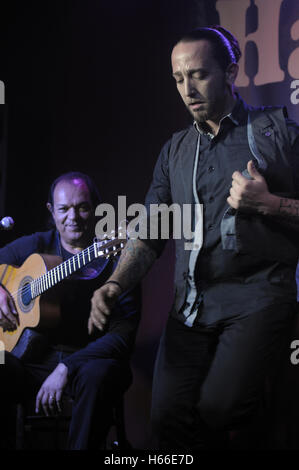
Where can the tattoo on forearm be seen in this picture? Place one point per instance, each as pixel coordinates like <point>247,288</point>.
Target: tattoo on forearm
<point>289,208</point>
<point>136,259</point>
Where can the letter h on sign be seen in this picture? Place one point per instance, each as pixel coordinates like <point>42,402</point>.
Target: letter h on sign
<point>232,15</point>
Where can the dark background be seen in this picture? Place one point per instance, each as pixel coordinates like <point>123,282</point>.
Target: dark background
<point>89,88</point>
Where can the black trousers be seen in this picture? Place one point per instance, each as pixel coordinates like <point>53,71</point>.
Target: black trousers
<point>94,388</point>
<point>210,380</point>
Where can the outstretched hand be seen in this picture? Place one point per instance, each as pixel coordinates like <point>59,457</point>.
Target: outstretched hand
<point>250,194</point>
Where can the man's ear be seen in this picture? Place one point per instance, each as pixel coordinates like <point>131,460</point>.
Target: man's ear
<point>231,73</point>
<point>49,207</point>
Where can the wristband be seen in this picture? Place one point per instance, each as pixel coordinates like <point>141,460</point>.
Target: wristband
<point>115,282</point>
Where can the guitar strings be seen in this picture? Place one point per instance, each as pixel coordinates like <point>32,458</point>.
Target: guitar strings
<point>27,287</point>
<point>86,252</point>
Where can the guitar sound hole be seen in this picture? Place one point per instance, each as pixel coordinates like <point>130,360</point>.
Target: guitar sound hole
<point>26,295</point>
<point>25,301</point>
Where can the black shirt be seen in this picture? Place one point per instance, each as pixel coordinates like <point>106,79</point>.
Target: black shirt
<point>230,283</point>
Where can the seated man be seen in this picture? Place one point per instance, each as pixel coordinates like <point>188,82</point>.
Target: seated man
<point>95,370</point>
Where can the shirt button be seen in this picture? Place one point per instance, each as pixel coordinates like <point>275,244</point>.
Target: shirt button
<point>210,169</point>
<point>210,227</point>
<point>211,199</point>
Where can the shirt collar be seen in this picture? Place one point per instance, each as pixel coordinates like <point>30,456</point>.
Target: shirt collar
<point>236,116</point>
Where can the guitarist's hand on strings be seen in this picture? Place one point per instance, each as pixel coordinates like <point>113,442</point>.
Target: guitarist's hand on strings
<point>9,318</point>
<point>50,393</point>
<point>102,303</point>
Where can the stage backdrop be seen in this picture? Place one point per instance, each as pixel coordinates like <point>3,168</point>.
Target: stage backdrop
<point>88,87</point>
<point>268,33</point>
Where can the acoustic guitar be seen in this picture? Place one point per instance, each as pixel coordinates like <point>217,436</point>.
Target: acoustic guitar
<point>31,285</point>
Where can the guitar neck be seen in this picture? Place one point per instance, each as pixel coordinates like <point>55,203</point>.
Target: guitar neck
<point>64,270</point>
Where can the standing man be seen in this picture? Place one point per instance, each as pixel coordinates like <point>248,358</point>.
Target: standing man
<point>235,292</point>
<point>94,371</point>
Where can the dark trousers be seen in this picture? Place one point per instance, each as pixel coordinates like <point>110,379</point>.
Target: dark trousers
<point>210,380</point>
<point>96,385</point>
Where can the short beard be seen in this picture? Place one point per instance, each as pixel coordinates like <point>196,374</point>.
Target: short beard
<point>203,117</point>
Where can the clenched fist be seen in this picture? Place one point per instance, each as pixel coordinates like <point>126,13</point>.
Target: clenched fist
<point>251,194</point>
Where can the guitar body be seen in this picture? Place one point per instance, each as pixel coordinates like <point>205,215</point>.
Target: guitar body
<point>42,311</point>
<point>35,288</point>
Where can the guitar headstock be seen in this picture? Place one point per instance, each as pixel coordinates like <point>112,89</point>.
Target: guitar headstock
<point>112,244</point>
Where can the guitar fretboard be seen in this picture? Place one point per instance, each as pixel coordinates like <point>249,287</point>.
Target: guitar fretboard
<point>52,277</point>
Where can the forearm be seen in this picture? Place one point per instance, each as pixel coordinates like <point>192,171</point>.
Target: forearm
<point>135,261</point>
<point>289,209</point>
<point>282,208</point>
